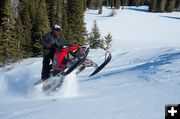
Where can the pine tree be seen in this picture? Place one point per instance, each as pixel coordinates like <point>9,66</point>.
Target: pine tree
<point>137,2</point>
<point>160,5</point>
<point>94,4</point>
<point>61,13</point>
<point>84,5</point>
<point>1,14</point>
<point>122,3</point>
<point>100,6</point>
<point>58,12</point>
<point>8,26</point>
<point>1,39</point>
<point>131,2</point>
<point>177,5</point>
<point>64,21</point>
<point>76,25</point>
<point>152,6</point>
<point>117,4</point>
<point>24,39</point>
<point>40,27</point>
<point>88,4</point>
<point>2,54</point>
<point>126,2</point>
<point>112,3</point>
<point>55,10</point>
<point>142,2</point>
<point>25,28</point>
<point>107,42</point>
<point>94,40</point>
<point>170,6</point>
<point>51,10</point>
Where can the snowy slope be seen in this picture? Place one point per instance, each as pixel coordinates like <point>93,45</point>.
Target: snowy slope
<point>137,28</point>
<point>142,77</point>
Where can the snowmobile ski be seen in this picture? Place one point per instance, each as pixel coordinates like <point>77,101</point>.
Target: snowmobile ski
<point>106,61</point>
<point>52,84</point>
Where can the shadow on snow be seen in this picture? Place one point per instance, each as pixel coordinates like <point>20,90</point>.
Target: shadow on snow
<point>159,61</point>
<point>176,18</point>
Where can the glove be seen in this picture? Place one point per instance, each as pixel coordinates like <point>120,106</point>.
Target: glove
<point>65,46</point>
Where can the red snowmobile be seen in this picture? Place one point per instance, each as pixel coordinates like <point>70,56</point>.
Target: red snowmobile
<point>67,60</point>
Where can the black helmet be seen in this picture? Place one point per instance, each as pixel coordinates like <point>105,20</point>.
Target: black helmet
<point>56,27</point>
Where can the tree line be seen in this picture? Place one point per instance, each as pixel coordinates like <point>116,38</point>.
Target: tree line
<point>154,5</point>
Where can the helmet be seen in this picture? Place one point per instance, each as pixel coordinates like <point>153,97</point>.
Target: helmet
<point>56,27</point>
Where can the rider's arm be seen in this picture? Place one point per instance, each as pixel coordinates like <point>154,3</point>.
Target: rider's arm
<point>61,43</point>
<point>46,41</point>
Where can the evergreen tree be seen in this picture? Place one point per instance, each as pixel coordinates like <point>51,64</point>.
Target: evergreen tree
<point>111,3</point>
<point>170,6</point>
<point>100,6</point>
<point>61,13</point>
<point>107,42</point>
<point>25,28</point>
<point>56,10</point>
<point>137,2</point>
<point>1,14</point>
<point>152,5</point>
<point>40,27</point>
<point>177,5</point>
<point>106,2</point>
<point>88,4</point>
<point>160,5</point>
<point>64,21</point>
<point>94,40</point>
<point>20,39</point>
<point>94,4</point>
<point>84,5</point>
<point>117,4</point>
<point>8,26</point>
<point>76,25</point>
<point>2,54</point>
<point>1,39</point>
<point>131,3</point>
<point>142,2</point>
<point>126,2</point>
<point>51,10</point>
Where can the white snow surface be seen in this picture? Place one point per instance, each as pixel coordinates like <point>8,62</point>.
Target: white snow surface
<point>142,77</point>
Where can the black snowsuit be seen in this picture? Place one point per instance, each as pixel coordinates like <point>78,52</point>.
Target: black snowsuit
<point>50,44</point>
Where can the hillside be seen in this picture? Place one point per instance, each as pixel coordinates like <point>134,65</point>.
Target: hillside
<point>142,77</point>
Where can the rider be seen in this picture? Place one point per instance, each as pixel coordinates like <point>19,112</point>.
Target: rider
<point>51,42</point>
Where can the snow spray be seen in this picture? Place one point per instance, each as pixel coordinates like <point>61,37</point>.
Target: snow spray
<point>70,85</point>
<point>3,86</point>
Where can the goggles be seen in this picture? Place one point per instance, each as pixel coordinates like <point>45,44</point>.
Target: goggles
<point>57,27</point>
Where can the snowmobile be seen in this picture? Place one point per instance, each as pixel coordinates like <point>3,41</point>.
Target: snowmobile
<point>66,61</point>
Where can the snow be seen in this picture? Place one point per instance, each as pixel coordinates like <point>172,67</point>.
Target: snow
<point>142,77</point>
<point>134,28</point>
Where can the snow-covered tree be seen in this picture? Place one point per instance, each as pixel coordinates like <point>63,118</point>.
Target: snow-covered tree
<point>107,42</point>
